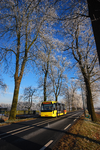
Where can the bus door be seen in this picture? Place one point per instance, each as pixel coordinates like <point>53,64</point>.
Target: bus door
<point>54,107</point>
<point>57,108</point>
<point>63,109</point>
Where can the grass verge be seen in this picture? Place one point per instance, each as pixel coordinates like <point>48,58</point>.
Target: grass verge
<point>83,135</point>
<point>14,121</point>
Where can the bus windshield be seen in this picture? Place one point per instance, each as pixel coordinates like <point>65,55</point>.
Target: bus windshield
<point>46,107</point>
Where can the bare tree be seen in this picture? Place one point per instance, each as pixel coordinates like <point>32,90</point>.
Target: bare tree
<point>43,64</point>
<point>73,90</point>
<point>84,9</point>
<point>46,56</point>
<point>28,96</point>
<point>22,23</point>
<point>72,98</point>
<point>82,49</point>
<point>57,75</point>
<point>70,94</point>
<point>94,14</point>
<point>67,97</point>
<point>3,86</point>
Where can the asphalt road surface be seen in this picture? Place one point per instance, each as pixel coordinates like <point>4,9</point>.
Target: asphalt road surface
<point>36,134</point>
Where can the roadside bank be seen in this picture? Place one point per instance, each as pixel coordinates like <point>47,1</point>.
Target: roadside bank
<point>83,135</point>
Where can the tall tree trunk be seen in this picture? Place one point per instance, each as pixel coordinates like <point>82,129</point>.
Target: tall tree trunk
<point>90,100</point>
<point>17,82</point>
<point>68,98</point>
<point>73,108</point>
<point>15,99</point>
<point>30,102</point>
<point>90,105</point>
<point>69,106</point>
<point>56,97</point>
<point>45,81</point>
<point>94,13</point>
<point>29,110</point>
<point>69,102</point>
<point>17,86</point>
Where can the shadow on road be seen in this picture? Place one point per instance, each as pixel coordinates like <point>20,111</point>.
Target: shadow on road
<point>17,143</point>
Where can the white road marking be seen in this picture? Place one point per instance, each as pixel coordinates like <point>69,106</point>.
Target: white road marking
<point>67,127</point>
<point>14,130</point>
<point>22,130</point>
<point>24,127</point>
<point>73,115</point>
<point>40,123</point>
<point>43,122</point>
<point>46,145</point>
<point>15,133</point>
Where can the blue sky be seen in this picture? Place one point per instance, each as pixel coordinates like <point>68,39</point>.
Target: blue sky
<point>30,79</point>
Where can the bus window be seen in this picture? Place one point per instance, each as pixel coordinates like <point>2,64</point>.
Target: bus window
<point>58,107</point>
<point>64,107</point>
<point>54,106</point>
<point>41,107</point>
<point>46,107</point>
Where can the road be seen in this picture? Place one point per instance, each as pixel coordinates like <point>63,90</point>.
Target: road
<point>36,134</point>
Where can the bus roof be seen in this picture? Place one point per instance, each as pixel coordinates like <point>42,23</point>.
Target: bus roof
<point>49,102</point>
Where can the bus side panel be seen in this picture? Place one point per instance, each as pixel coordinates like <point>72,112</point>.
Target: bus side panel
<point>49,114</point>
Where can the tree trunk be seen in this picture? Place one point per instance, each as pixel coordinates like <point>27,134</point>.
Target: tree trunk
<point>69,103</point>
<point>90,105</point>
<point>69,106</point>
<point>90,101</point>
<point>30,102</point>
<point>16,90</point>
<point>15,99</point>
<point>56,97</point>
<point>29,110</point>
<point>94,13</point>
<point>73,108</point>
<point>68,99</point>
<point>45,81</point>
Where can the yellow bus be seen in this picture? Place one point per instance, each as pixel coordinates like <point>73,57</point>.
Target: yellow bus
<point>52,109</point>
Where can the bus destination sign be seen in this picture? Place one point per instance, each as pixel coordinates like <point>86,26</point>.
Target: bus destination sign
<point>47,103</point>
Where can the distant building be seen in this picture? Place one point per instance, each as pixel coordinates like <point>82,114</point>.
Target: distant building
<point>2,110</point>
